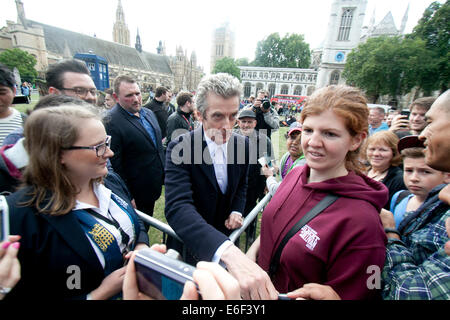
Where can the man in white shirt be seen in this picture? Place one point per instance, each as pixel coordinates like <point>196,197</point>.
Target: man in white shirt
<point>206,182</point>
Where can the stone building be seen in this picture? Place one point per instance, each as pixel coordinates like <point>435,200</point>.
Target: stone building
<point>50,44</point>
<point>301,82</point>
<point>223,43</point>
<point>345,32</point>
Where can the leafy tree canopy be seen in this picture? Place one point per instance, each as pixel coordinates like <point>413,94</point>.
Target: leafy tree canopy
<point>227,65</point>
<point>22,60</point>
<point>291,51</point>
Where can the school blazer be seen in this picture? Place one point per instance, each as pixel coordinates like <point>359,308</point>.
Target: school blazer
<point>57,260</point>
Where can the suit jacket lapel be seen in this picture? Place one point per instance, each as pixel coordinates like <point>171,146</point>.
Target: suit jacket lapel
<point>136,123</point>
<point>70,230</point>
<point>231,163</point>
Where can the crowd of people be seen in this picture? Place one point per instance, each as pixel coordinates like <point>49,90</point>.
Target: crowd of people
<point>351,196</point>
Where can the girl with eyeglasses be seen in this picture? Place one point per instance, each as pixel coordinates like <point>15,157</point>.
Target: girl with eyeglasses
<point>75,232</point>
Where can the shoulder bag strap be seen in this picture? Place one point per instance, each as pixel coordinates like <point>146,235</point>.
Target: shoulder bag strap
<point>321,206</point>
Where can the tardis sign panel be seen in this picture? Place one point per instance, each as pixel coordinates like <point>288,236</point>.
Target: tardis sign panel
<point>98,67</point>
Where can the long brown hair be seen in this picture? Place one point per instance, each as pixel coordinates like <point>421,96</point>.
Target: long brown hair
<point>47,131</point>
<point>349,104</point>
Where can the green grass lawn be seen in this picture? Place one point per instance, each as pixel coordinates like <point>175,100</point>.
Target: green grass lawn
<point>279,145</point>
<point>24,107</point>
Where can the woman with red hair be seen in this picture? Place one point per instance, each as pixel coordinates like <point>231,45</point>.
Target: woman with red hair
<point>342,245</point>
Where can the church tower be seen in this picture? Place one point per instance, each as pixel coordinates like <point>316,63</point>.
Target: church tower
<point>222,44</point>
<point>121,34</point>
<point>344,33</point>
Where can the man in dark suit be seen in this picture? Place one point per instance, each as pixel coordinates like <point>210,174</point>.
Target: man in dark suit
<point>206,172</point>
<point>136,142</point>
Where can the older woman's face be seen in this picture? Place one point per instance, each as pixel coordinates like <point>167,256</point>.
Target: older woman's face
<point>379,155</point>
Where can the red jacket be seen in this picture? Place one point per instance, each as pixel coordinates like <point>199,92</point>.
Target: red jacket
<point>338,246</point>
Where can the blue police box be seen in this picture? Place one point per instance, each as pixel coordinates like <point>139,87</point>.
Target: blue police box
<point>98,66</point>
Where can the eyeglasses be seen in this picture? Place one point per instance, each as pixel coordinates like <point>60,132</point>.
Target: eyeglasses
<point>80,91</point>
<point>100,149</point>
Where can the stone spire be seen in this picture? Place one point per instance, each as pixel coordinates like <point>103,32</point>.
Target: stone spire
<point>138,44</point>
<point>404,21</point>
<point>121,34</point>
<point>161,49</point>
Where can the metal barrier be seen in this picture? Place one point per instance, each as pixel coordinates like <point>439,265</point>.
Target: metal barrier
<point>165,228</point>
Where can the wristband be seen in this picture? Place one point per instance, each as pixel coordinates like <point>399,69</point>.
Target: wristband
<point>391,230</point>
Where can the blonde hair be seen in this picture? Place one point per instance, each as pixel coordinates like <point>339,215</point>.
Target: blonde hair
<point>349,104</point>
<point>389,139</point>
<point>47,132</point>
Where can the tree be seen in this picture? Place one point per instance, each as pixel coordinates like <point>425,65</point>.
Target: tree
<point>22,60</point>
<point>242,62</point>
<point>434,29</point>
<point>291,51</point>
<point>227,65</point>
<point>390,66</point>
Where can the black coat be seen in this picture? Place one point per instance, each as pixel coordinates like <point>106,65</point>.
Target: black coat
<point>48,247</point>
<point>161,113</point>
<point>177,121</point>
<point>192,193</point>
<point>394,182</point>
<point>136,158</point>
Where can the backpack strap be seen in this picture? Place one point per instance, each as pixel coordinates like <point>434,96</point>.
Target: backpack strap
<point>402,195</point>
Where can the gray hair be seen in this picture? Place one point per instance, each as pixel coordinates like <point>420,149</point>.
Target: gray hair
<point>220,84</point>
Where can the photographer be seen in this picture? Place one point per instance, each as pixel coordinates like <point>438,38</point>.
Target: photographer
<point>266,117</point>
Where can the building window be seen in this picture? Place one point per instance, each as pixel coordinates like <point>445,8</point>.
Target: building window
<point>284,89</point>
<point>259,86</point>
<point>298,90</point>
<point>260,75</point>
<point>335,76</point>
<point>346,24</point>
<point>297,77</point>
<point>290,76</point>
<point>284,76</point>
<point>272,89</point>
<point>247,89</point>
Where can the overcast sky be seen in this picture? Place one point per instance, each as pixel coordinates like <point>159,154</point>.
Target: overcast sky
<point>191,23</point>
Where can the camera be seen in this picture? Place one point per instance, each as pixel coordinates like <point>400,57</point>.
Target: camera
<point>265,104</point>
<point>4,219</point>
<point>160,276</point>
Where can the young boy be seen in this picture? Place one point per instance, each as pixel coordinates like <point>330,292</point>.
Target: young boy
<point>419,178</point>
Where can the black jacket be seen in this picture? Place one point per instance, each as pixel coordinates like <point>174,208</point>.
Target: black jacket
<point>394,182</point>
<point>181,121</point>
<point>137,160</point>
<point>161,113</point>
<point>195,208</point>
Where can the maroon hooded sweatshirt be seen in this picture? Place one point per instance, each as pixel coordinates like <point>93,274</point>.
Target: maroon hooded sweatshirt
<point>338,246</point>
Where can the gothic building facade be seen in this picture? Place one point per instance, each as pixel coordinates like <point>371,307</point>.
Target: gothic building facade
<point>49,44</point>
<point>223,43</point>
<point>345,32</point>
